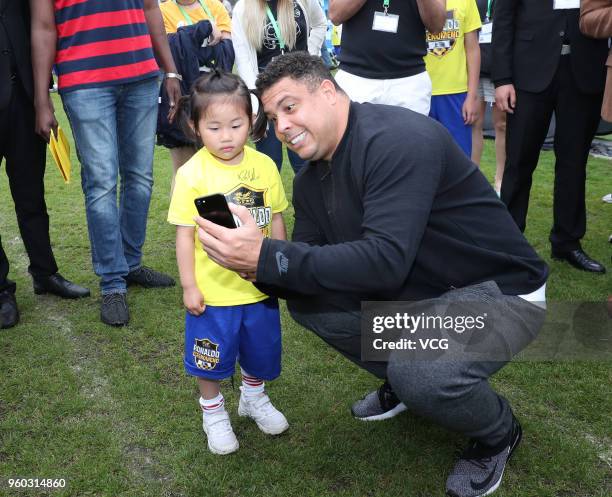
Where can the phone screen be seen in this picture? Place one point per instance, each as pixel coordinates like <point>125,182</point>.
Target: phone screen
<point>214,208</point>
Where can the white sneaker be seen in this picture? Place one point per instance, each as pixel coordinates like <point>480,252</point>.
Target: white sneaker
<point>268,418</point>
<point>218,429</point>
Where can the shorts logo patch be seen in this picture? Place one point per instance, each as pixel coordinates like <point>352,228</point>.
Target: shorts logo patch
<point>206,354</point>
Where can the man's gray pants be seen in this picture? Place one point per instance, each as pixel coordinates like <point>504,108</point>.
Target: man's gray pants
<point>453,392</point>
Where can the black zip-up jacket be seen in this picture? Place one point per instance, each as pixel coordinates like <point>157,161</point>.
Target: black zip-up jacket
<point>400,213</point>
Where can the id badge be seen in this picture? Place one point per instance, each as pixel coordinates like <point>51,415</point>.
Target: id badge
<point>385,22</point>
<point>486,33</point>
<point>566,4</point>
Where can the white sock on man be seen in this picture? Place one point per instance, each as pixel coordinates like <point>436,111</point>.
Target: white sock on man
<point>212,406</point>
<point>251,386</point>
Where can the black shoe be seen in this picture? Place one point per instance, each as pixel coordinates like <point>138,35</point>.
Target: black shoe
<point>60,286</point>
<point>378,405</point>
<point>9,314</point>
<point>480,469</point>
<point>114,310</point>
<point>148,278</point>
<point>578,258</point>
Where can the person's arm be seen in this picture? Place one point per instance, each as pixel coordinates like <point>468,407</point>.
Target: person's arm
<point>44,40</point>
<point>398,194</point>
<point>433,14</point>
<point>185,259</point>
<point>596,18</point>
<point>502,48</point>
<point>471,106</point>
<point>340,11</point>
<point>318,27</point>
<point>279,231</point>
<point>245,65</point>
<point>159,40</point>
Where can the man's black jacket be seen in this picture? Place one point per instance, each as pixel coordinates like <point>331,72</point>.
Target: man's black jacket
<point>527,39</point>
<point>400,213</point>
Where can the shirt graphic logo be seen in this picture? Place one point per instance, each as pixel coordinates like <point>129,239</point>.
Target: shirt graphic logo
<point>442,43</point>
<point>282,263</point>
<point>254,201</point>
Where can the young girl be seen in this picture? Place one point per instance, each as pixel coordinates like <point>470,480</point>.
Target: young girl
<point>227,318</point>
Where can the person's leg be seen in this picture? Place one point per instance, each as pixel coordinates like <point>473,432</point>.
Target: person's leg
<point>297,163</point>
<point>499,124</point>
<point>179,156</point>
<point>477,138</point>
<point>211,347</point>
<point>448,112</point>
<point>260,359</point>
<point>453,390</point>
<point>92,116</point>
<point>338,323</point>
<point>25,167</point>
<point>136,123</point>
<point>270,146</point>
<point>413,92</point>
<point>577,118</point>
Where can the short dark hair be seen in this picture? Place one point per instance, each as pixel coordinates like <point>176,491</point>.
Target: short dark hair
<point>300,66</point>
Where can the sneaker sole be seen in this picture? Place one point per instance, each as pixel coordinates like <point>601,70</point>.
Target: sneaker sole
<point>399,408</point>
<point>274,431</point>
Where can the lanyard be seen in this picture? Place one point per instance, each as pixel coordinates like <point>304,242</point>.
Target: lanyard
<point>489,9</point>
<point>279,36</point>
<point>186,15</point>
<point>386,5</point>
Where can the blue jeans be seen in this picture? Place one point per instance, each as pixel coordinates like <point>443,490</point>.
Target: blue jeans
<point>114,132</point>
<point>273,148</point>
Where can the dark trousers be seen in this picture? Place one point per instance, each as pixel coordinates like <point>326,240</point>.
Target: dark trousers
<point>24,154</point>
<point>577,117</point>
<point>273,148</point>
<point>452,391</point>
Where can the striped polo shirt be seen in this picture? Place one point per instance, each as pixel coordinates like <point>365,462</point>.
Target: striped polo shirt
<point>101,43</point>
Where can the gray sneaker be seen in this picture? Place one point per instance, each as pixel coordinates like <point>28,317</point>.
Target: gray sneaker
<point>480,469</point>
<point>114,309</point>
<point>378,405</point>
<point>148,278</point>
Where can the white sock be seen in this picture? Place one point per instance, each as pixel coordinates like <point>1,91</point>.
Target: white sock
<point>251,386</point>
<point>212,406</point>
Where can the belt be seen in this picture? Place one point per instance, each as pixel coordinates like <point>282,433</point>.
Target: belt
<point>566,49</point>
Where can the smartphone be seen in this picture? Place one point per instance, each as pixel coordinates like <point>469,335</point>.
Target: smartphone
<point>214,208</point>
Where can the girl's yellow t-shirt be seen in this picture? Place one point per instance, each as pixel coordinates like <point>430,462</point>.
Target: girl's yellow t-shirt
<point>174,18</point>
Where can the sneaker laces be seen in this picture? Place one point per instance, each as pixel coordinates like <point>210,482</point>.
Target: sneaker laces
<point>476,454</point>
<point>386,396</point>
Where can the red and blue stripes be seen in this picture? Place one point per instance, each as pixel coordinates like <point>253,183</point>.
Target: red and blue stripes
<point>102,42</point>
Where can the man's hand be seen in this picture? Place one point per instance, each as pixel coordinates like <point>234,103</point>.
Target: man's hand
<point>193,300</point>
<point>505,98</point>
<point>236,249</point>
<point>45,120</point>
<point>470,109</point>
<point>173,89</point>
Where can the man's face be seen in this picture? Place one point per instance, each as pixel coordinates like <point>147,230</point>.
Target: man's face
<point>303,118</point>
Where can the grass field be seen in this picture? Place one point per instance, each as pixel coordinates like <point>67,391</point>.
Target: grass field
<point>111,411</point>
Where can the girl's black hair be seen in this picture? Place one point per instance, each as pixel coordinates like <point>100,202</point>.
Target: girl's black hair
<point>215,84</point>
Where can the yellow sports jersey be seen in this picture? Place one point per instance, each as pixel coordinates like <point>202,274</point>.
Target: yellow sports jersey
<point>254,183</point>
<point>445,60</point>
<point>174,18</point>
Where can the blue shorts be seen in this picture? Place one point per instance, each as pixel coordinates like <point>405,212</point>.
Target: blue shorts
<point>447,110</point>
<point>249,333</point>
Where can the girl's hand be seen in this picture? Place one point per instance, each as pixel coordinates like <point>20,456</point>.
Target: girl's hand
<point>470,109</point>
<point>193,300</point>
<point>215,37</point>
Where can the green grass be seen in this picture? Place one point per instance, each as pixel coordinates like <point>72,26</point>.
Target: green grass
<point>112,411</point>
